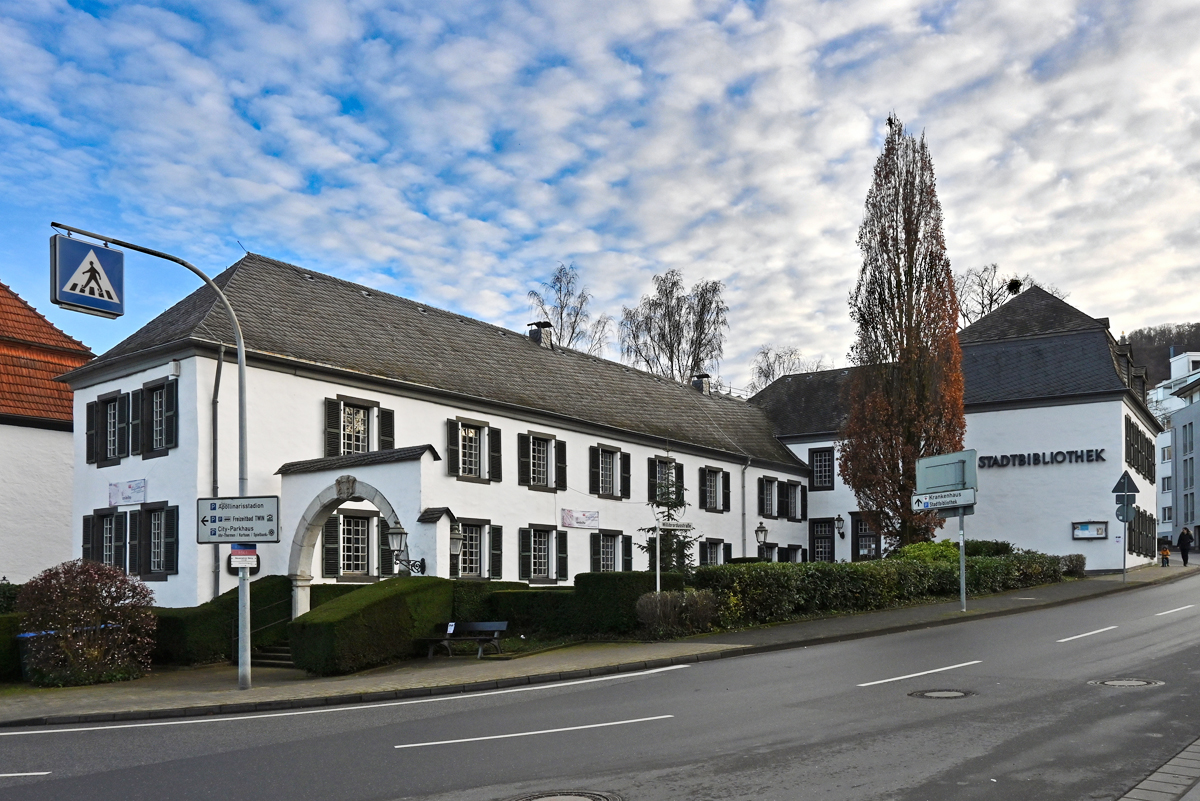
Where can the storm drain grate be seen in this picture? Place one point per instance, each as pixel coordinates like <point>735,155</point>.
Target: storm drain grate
<point>567,795</point>
<point>1126,683</point>
<point>942,695</point>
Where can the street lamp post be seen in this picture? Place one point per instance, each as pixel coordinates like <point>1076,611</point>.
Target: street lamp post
<point>760,534</point>
<point>398,543</point>
<point>840,524</point>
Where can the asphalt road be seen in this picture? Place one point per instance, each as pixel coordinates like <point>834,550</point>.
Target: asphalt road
<point>828,722</point>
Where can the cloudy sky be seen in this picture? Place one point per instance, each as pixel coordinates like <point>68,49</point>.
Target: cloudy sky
<point>455,152</point>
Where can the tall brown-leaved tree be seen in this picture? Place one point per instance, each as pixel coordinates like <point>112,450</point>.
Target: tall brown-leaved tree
<point>905,399</point>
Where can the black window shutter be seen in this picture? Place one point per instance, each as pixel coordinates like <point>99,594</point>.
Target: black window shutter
<point>762,496</point>
<point>119,521</point>
<point>594,470</point>
<point>627,553</point>
<point>171,539</point>
<point>784,500</point>
<point>331,547</point>
<point>333,427</point>
<point>171,414</point>
<point>387,567</point>
<point>725,491</point>
<point>134,537</point>
<point>560,570</point>
<point>90,427</point>
<point>387,429</point>
<point>560,464</point>
<point>135,422</point>
<point>678,482</point>
<point>453,443</point>
<point>523,459</point>
<point>526,551</point>
<point>725,557</point>
<point>803,502</point>
<point>596,553</point>
<point>88,524</point>
<point>703,488</point>
<point>496,562</point>
<point>625,461</point>
<point>652,479</point>
<point>703,554</point>
<point>123,425</point>
<point>682,550</point>
<point>495,460</point>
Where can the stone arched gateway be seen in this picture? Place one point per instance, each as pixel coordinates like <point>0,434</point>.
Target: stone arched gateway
<point>308,530</point>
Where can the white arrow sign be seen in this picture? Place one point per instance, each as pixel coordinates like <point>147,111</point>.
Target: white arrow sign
<point>943,500</point>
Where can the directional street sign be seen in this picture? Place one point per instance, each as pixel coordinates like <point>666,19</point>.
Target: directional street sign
<point>86,277</point>
<point>943,500</point>
<point>1125,485</point>
<point>677,525</point>
<point>237,520</point>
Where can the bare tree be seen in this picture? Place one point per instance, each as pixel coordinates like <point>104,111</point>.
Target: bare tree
<point>770,363</point>
<point>982,290</point>
<point>675,333</point>
<point>906,399</point>
<point>564,302</point>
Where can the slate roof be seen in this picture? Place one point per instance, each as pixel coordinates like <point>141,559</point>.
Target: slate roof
<point>434,514</point>
<point>33,352</point>
<point>1047,367</point>
<point>409,454</point>
<point>805,403</point>
<point>297,314</point>
<point>1034,312</point>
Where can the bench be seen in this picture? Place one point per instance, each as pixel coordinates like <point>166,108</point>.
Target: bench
<point>481,633</point>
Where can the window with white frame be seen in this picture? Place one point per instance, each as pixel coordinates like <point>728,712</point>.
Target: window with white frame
<point>108,529</point>
<point>790,501</point>
<point>866,541</point>
<point>158,418</point>
<point>157,541</point>
<point>540,563</point>
<point>1166,453</point>
<point>664,479</point>
<point>712,489</point>
<point>1166,514</point>
<point>355,542</point>
<point>111,431</point>
<point>539,461</point>
<point>471,451</point>
<point>1166,483</point>
<point>608,471</point>
<point>355,429</point>
<point>608,552</point>
<point>821,547</point>
<point>768,498</point>
<point>821,462</point>
<point>710,552</point>
<point>469,560</point>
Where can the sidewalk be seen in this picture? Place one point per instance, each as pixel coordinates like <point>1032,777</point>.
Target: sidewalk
<point>209,690</point>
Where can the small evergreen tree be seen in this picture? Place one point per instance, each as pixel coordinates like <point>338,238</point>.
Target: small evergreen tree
<point>676,553</point>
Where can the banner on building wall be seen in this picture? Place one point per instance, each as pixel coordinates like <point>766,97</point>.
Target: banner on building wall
<point>573,518</point>
<point>124,493</point>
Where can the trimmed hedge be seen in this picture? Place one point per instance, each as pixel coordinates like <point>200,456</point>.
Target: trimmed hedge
<point>194,635</point>
<point>473,599</point>
<point>607,602</point>
<point>324,593</point>
<point>371,626</point>
<point>10,657</point>
<point>765,593</point>
<point>549,611</point>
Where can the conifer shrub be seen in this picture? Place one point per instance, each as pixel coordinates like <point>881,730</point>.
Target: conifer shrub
<point>8,597</point>
<point>85,623</point>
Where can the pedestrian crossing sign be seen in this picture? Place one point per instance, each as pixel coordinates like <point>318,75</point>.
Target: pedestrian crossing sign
<point>86,277</point>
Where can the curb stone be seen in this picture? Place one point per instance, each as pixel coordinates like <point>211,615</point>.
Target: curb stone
<point>1179,776</point>
<point>546,678</point>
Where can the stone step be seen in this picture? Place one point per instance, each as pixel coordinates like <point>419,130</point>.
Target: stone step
<point>278,663</point>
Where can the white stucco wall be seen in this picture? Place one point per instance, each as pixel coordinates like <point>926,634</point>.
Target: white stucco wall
<point>36,468</point>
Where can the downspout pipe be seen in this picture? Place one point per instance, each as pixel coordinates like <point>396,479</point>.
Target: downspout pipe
<point>216,490</point>
<point>746,465</point>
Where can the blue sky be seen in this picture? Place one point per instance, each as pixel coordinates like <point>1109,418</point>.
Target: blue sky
<point>455,152</point>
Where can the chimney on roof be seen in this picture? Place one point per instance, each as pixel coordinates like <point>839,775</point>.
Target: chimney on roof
<point>700,383</point>
<point>541,333</point>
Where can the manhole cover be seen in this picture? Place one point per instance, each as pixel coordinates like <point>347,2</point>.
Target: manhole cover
<point>942,695</point>
<point>567,795</point>
<point>1126,683</point>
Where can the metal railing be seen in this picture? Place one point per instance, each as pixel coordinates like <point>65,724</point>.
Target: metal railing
<point>258,613</point>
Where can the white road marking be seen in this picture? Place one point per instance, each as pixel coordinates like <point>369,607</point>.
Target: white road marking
<point>1169,611</point>
<point>922,673</point>
<point>1088,634</point>
<point>459,697</point>
<point>532,733</point>
<point>13,775</point>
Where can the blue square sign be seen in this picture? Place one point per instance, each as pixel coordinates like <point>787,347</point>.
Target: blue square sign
<point>86,277</point>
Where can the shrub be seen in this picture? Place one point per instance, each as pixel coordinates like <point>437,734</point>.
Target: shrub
<point>91,623</point>
<point>661,613</point>
<point>1074,565</point>
<point>989,548</point>
<point>607,602</point>
<point>194,635</point>
<point>10,657</point>
<point>699,610</point>
<point>936,551</point>
<point>8,597</point>
<point>371,626</point>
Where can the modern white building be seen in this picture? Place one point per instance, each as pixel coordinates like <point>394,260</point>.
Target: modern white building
<point>1055,408</point>
<point>370,412</point>
<point>1170,396</point>
<point>36,465</point>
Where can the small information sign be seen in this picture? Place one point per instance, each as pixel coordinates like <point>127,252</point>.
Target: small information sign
<point>675,525</point>
<point>238,519</point>
<point>243,554</point>
<point>943,500</point>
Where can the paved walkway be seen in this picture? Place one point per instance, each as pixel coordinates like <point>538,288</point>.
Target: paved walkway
<point>213,689</point>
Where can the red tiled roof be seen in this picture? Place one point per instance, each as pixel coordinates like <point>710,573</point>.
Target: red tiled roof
<point>32,354</point>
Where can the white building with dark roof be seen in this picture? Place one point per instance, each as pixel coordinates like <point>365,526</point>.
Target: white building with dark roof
<point>369,412</point>
<point>1056,409</point>
<point>1177,489</point>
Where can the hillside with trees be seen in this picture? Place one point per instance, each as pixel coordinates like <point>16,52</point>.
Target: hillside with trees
<point>1152,347</point>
